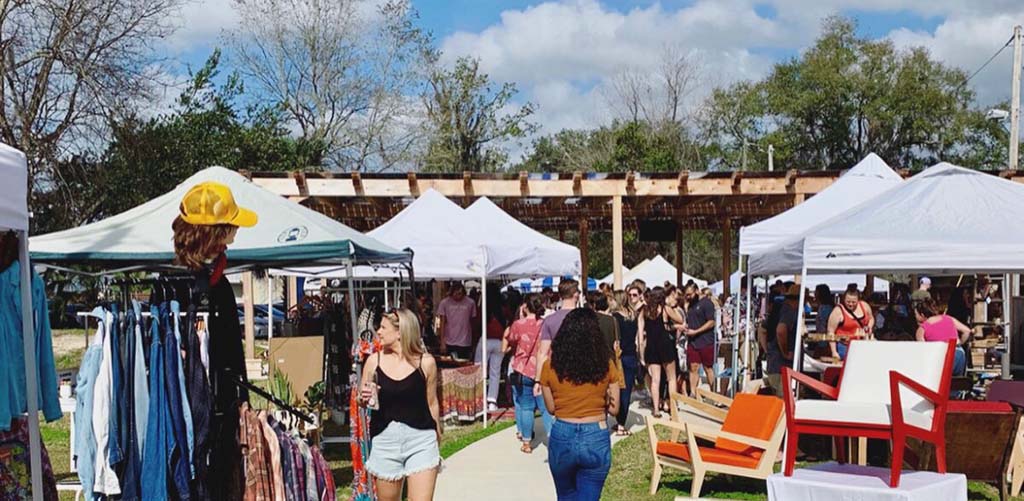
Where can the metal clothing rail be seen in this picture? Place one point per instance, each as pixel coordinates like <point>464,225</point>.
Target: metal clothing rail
<point>280,404</point>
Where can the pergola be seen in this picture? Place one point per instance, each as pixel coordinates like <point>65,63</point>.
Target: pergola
<point>556,202</point>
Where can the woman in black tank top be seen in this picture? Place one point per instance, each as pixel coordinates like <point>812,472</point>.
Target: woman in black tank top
<point>400,386</point>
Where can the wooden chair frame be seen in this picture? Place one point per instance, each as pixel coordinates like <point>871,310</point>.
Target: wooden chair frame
<point>698,467</point>
<point>897,431</point>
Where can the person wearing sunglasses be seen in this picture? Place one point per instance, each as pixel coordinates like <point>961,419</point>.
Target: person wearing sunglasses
<point>400,387</point>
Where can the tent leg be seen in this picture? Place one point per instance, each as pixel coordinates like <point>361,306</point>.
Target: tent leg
<point>483,339</point>
<point>798,349</point>
<point>31,372</point>
<point>1008,329</point>
<point>352,306</point>
<point>735,330</point>
<point>749,353</point>
<point>270,309</point>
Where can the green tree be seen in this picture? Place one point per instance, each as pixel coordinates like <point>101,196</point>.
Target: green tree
<point>148,157</point>
<point>467,119</point>
<point>848,96</point>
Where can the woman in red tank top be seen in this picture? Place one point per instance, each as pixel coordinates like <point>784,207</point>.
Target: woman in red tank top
<point>853,319</point>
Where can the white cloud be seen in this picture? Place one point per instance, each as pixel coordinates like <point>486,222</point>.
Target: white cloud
<point>562,52</point>
<point>201,24</point>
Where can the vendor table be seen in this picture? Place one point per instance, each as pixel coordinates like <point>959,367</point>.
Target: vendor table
<point>865,483</point>
<point>460,392</point>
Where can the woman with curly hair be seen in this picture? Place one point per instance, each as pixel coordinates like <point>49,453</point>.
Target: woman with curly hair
<point>580,384</point>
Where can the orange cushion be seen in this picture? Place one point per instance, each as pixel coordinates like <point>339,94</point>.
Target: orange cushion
<point>753,416</point>
<point>708,454</point>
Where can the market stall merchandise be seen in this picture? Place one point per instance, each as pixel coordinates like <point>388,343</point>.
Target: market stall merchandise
<point>285,234</point>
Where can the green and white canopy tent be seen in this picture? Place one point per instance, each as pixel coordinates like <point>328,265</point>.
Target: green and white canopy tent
<point>287,233</point>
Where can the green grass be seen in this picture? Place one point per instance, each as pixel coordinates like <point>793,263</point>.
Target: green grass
<point>69,360</point>
<point>458,438</point>
<point>630,478</point>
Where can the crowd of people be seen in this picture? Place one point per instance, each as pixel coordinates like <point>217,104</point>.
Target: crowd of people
<point>577,360</point>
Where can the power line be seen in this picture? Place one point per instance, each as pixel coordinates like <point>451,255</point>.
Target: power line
<point>1007,44</point>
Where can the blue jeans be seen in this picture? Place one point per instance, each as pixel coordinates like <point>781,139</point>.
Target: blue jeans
<point>630,366</point>
<point>579,456</point>
<point>842,348</point>
<point>959,362</point>
<point>526,404</point>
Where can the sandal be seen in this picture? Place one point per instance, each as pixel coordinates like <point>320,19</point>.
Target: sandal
<point>526,449</point>
<point>656,414</point>
<point>622,431</point>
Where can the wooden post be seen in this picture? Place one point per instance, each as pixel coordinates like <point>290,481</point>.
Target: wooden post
<point>584,253</point>
<point>293,292</point>
<point>869,285</point>
<point>617,241</point>
<point>247,307</point>
<point>726,255</point>
<point>679,255</point>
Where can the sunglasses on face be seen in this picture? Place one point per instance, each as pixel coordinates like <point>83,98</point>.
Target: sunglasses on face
<point>634,295</point>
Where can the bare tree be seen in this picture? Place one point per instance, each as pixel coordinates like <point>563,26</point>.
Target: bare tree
<point>67,67</point>
<point>658,95</point>
<point>346,73</point>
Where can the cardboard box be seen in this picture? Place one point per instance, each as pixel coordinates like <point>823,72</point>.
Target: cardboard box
<point>300,359</point>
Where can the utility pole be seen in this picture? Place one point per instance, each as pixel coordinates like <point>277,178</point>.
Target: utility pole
<point>1015,100</point>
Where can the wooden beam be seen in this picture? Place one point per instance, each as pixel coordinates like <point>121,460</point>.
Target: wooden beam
<point>584,252</point>
<point>577,183</point>
<point>737,179</point>
<point>697,184</point>
<point>524,183</point>
<point>293,292</point>
<point>357,184</point>
<point>617,242</point>
<point>249,321</point>
<point>683,183</point>
<point>726,255</point>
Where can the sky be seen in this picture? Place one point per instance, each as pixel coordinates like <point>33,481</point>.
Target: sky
<point>563,55</point>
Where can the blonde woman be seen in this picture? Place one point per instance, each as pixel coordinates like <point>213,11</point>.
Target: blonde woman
<point>400,386</point>
<point>626,310</point>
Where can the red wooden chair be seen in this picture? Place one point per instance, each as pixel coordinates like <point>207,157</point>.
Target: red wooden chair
<point>889,390</point>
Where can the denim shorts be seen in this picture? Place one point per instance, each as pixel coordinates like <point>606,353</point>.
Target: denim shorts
<point>400,451</point>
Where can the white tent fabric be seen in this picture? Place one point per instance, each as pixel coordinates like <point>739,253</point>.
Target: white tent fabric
<point>14,189</point>
<point>869,178</point>
<point>734,283</point>
<point>656,272</point>
<point>514,249</point>
<point>443,241</point>
<point>944,220</point>
<point>611,277</point>
<point>286,232</point>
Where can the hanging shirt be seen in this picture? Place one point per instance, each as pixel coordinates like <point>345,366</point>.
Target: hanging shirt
<point>85,439</point>
<point>13,403</point>
<point>186,409</point>
<point>105,480</point>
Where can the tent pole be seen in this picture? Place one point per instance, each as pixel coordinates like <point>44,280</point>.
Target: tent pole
<point>798,349</point>
<point>483,339</point>
<point>31,373</point>
<point>1008,329</point>
<point>735,328</point>
<point>387,301</point>
<point>270,309</point>
<point>749,353</point>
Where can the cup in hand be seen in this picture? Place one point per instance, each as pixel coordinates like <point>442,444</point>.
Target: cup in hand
<point>369,394</point>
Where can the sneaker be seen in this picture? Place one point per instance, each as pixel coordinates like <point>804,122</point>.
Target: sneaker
<point>492,407</point>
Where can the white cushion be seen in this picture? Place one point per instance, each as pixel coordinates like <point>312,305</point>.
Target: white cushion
<point>867,366</point>
<point>857,413</point>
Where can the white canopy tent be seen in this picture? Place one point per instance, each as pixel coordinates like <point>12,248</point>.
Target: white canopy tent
<point>516,250</point>
<point>286,232</point>
<point>610,279</point>
<point>656,271</point>
<point>869,178</point>
<point>945,220</point>
<point>14,216</point>
<point>481,242</point>
<point>866,180</point>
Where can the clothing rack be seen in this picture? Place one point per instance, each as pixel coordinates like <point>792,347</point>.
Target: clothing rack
<point>283,406</point>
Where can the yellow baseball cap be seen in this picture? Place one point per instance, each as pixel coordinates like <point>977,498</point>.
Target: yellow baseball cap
<point>209,203</point>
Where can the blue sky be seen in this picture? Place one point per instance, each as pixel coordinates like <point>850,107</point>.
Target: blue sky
<point>564,54</point>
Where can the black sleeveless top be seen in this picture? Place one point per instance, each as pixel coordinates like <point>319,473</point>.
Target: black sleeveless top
<point>404,401</point>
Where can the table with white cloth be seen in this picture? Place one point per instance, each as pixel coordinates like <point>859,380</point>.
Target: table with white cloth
<point>865,483</point>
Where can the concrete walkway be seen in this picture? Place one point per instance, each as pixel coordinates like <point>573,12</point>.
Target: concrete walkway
<point>495,469</point>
